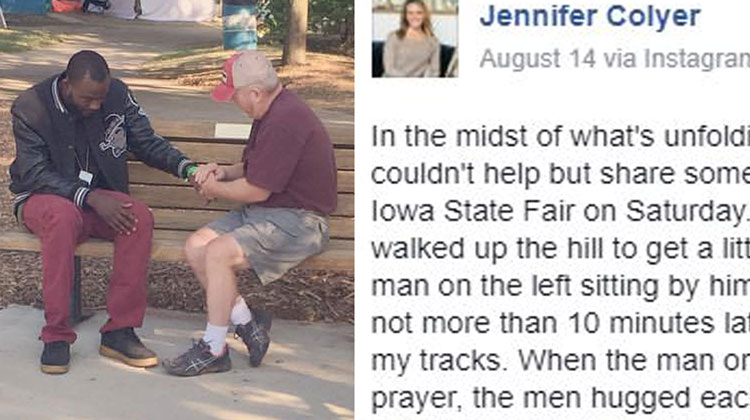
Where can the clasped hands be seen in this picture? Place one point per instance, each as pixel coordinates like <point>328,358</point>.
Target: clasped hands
<point>206,178</point>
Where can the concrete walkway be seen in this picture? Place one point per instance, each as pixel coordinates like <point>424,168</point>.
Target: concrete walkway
<point>307,373</point>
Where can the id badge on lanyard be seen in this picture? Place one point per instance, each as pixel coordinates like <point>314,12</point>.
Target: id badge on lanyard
<point>86,177</point>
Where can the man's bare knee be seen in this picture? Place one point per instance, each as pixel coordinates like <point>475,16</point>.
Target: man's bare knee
<point>195,246</point>
<point>225,251</point>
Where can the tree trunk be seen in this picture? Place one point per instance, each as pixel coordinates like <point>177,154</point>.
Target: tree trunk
<point>295,44</point>
<point>347,33</point>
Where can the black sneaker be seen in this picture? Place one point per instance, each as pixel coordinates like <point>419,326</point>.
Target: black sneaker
<point>126,347</point>
<point>255,336</point>
<point>198,360</point>
<point>56,357</point>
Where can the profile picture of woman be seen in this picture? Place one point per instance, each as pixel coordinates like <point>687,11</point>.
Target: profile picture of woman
<point>412,50</point>
<point>405,42</point>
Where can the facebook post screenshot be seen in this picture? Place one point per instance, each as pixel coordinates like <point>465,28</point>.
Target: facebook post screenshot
<point>381,209</point>
<point>552,210</point>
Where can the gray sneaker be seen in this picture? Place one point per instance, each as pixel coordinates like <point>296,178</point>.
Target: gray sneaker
<point>255,336</point>
<point>198,360</point>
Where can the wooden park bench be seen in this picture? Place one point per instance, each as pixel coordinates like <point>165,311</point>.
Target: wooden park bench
<point>178,210</point>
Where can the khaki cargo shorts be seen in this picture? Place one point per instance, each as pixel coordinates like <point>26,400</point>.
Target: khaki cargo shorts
<point>273,239</point>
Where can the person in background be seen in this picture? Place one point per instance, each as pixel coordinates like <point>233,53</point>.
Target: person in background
<point>412,50</point>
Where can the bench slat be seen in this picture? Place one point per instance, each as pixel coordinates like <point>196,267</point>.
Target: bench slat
<point>167,246</point>
<point>224,153</point>
<point>191,220</point>
<point>140,173</point>
<point>185,197</point>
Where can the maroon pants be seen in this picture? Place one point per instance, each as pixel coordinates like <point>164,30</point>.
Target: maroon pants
<point>61,226</point>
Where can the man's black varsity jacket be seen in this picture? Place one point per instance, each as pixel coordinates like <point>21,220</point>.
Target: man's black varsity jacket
<point>45,144</point>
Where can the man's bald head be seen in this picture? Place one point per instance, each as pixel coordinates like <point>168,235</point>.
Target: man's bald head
<point>87,64</point>
<point>86,82</point>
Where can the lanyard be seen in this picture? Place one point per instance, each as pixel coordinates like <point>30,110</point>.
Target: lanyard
<point>88,155</point>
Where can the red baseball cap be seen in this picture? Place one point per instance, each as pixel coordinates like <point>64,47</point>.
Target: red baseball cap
<point>225,91</point>
<point>246,68</point>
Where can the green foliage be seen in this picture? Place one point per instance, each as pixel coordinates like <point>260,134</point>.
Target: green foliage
<point>271,19</point>
<point>325,17</point>
<point>16,40</point>
<point>328,16</point>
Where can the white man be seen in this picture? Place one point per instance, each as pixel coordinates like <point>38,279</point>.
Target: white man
<point>286,187</point>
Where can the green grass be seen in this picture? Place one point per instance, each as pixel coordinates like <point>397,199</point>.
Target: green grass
<point>12,40</point>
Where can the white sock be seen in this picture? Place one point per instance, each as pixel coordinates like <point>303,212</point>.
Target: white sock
<point>241,313</point>
<point>216,337</point>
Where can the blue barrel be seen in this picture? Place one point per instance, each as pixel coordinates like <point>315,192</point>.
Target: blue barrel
<point>25,7</point>
<point>240,25</point>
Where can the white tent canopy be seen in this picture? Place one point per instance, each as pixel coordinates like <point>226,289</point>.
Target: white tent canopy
<point>165,10</point>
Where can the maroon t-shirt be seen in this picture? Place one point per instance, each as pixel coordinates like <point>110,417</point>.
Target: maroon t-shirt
<point>290,154</point>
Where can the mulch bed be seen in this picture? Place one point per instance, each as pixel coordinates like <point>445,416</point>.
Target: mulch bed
<point>301,295</point>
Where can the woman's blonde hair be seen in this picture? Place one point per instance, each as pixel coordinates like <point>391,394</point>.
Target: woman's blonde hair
<point>426,23</point>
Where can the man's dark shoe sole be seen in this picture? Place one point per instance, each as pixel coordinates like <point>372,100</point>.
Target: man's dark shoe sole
<point>114,354</point>
<point>55,369</point>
